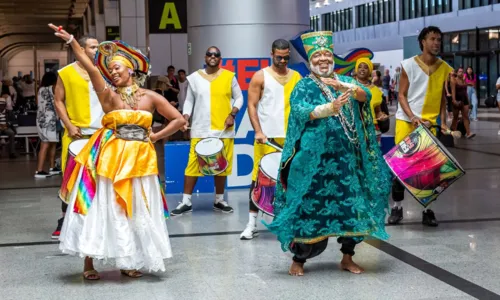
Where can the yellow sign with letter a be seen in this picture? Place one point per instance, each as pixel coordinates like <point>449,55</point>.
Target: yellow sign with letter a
<point>170,16</point>
<point>167,16</point>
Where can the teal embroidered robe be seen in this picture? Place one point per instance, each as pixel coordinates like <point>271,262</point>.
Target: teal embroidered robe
<point>327,186</point>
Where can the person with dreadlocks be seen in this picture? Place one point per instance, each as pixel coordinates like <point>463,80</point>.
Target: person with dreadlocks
<point>116,206</point>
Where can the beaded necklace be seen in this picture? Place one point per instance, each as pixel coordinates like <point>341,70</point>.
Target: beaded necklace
<point>128,95</point>
<point>346,115</point>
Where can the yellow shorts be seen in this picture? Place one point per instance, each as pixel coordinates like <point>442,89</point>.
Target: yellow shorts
<point>403,129</point>
<point>192,168</point>
<point>259,150</point>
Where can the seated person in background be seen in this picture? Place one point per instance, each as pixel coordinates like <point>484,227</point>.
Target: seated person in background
<point>5,129</point>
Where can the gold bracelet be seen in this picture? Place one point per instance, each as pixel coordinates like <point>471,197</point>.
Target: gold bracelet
<point>335,111</point>
<point>355,93</point>
<point>150,134</point>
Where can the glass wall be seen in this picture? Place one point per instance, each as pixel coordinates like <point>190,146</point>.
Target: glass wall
<point>465,4</point>
<point>314,22</point>
<point>480,49</point>
<point>375,13</point>
<point>411,9</point>
<point>495,73</point>
<point>337,20</point>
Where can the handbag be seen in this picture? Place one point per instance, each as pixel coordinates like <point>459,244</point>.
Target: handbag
<point>490,102</point>
<point>59,127</point>
<point>461,127</point>
<point>384,125</point>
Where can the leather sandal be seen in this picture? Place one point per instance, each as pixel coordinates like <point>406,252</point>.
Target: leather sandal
<point>132,273</point>
<point>91,275</point>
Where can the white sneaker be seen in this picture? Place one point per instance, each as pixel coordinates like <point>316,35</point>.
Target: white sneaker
<point>249,233</point>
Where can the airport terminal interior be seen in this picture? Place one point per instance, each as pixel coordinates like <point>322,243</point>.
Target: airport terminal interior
<point>458,259</point>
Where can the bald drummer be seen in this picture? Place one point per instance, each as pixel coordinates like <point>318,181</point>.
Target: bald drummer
<point>208,105</point>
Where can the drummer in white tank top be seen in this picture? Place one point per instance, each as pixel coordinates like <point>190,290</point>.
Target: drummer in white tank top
<point>268,109</point>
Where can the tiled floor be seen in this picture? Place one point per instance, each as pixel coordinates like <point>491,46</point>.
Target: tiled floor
<point>458,260</point>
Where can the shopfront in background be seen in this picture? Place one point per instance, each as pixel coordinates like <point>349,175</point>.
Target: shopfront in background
<point>479,48</point>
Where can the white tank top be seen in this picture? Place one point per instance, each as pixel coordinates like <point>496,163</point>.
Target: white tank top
<point>274,105</point>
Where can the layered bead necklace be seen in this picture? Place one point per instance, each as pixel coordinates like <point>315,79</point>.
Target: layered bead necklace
<point>128,95</point>
<point>346,118</point>
<point>368,84</point>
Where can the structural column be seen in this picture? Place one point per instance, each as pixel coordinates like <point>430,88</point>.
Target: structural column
<point>242,29</point>
<point>133,23</point>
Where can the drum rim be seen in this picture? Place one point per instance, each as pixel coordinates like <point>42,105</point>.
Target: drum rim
<point>446,153</point>
<point>78,140</point>
<point>265,173</point>
<point>259,207</point>
<point>208,138</point>
<point>435,198</point>
<point>445,150</point>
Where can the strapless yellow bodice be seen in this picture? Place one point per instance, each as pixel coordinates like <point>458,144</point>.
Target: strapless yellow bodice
<point>118,159</point>
<point>115,118</point>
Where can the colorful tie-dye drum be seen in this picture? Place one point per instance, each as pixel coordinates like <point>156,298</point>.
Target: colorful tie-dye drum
<point>423,165</point>
<point>211,157</point>
<point>265,186</point>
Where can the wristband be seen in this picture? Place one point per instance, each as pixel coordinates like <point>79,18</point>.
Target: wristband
<point>349,85</point>
<point>323,111</point>
<point>70,40</point>
<point>355,92</point>
<point>152,140</point>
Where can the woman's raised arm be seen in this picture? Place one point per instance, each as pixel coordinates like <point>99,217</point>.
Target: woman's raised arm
<point>98,82</point>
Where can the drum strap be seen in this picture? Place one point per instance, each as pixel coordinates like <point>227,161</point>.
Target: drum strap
<point>132,133</point>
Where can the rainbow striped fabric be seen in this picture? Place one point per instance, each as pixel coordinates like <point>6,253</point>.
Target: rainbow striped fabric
<point>164,200</point>
<point>87,185</point>
<point>345,65</point>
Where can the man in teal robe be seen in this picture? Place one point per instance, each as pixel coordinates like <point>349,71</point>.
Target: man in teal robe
<point>333,180</point>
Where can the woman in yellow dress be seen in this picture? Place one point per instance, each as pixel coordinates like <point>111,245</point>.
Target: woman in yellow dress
<point>364,69</point>
<point>117,208</point>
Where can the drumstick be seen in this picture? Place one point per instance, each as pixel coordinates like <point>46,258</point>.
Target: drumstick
<point>222,132</point>
<point>454,133</point>
<point>274,146</point>
<point>388,116</point>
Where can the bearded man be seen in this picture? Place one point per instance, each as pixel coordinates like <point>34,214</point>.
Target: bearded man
<point>332,178</point>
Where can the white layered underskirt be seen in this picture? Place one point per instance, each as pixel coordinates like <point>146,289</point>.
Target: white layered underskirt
<point>107,234</point>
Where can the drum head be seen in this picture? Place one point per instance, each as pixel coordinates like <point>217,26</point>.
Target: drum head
<point>208,146</point>
<point>270,164</point>
<point>77,145</point>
